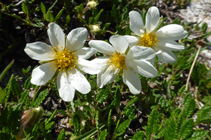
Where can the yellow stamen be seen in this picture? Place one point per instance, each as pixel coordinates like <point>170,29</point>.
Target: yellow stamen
<point>65,59</point>
<point>149,40</point>
<point>117,61</point>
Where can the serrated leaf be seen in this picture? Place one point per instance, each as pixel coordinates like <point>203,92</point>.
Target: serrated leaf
<point>25,8</point>
<point>41,97</point>
<point>103,135</point>
<point>15,87</point>
<point>2,96</point>
<point>76,124</point>
<point>117,96</point>
<point>61,135</point>
<point>49,126</point>
<point>49,17</point>
<point>59,14</point>
<point>98,15</point>
<point>138,136</point>
<point>182,90</point>
<point>186,129</point>
<point>152,125</point>
<point>123,126</point>
<point>204,114</point>
<point>189,108</point>
<point>43,9</point>
<point>114,12</point>
<point>27,83</point>
<point>170,129</point>
<point>102,95</point>
<point>51,117</point>
<point>24,96</point>
<point>198,135</point>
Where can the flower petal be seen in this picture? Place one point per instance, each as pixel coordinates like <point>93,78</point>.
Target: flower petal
<point>56,36</point>
<point>66,90</point>
<point>78,81</point>
<point>43,73</point>
<point>144,53</point>
<point>119,43</point>
<point>85,52</point>
<point>76,39</point>
<point>107,75</point>
<point>136,22</point>
<point>102,46</point>
<point>166,56</point>
<point>132,40</point>
<point>145,68</point>
<point>131,79</point>
<point>89,67</point>
<point>152,19</point>
<point>170,44</point>
<point>172,32</point>
<point>39,51</point>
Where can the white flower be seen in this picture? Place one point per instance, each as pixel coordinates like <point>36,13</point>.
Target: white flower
<point>92,4</point>
<point>66,57</point>
<point>119,60</point>
<point>162,41</point>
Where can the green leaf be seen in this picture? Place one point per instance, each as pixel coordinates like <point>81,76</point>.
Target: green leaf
<point>186,129</point>
<point>198,135</point>
<point>182,90</point>
<point>25,8</point>
<point>153,121</point>
<point>67,19</point>
<point>117,96</point>
<point>204,114</point>
<point>24,96</point>
<point>76,124</point>
<point>15,87</point>
<point>59,14</point>
<point>98,15</point>
<point>102,95</point>
<point>53,5</point>
<point>51,117</point>
<point>49,17</point>
<point>138,136</point>
<point>170,129</point>
<point>61,135</point>
<point>114,12</point>
<point>43,9</point>
<point>49,126</point>
<point>27,83</point>
<point>41,97</point>
<point>122,128</point>
<point>2,96</point>
<point>189,108</point>
<point>103,135</point>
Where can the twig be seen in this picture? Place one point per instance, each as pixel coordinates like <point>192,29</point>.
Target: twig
<point>186,88</point>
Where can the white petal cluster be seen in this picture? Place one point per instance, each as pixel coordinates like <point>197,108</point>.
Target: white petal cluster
<point>126,56</point>
<point>69,78</point>
<point>118,61</point>
<point>162,41</point>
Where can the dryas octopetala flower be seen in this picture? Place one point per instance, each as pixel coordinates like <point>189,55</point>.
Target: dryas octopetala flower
<point>92,4</point>
<point>162,41</point>
<point>121,60</point>
<point>67,58</point>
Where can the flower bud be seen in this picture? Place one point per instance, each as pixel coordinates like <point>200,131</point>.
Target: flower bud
<point>92,4</point>
<point>95,28</point>
<point>31,116</point>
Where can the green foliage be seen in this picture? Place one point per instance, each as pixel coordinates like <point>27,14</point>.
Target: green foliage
<point>164,109</point>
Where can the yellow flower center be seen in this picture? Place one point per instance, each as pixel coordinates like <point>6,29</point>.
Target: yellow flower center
<point>117,61</point>
<point>149,40</point>
<point>65,59</point>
